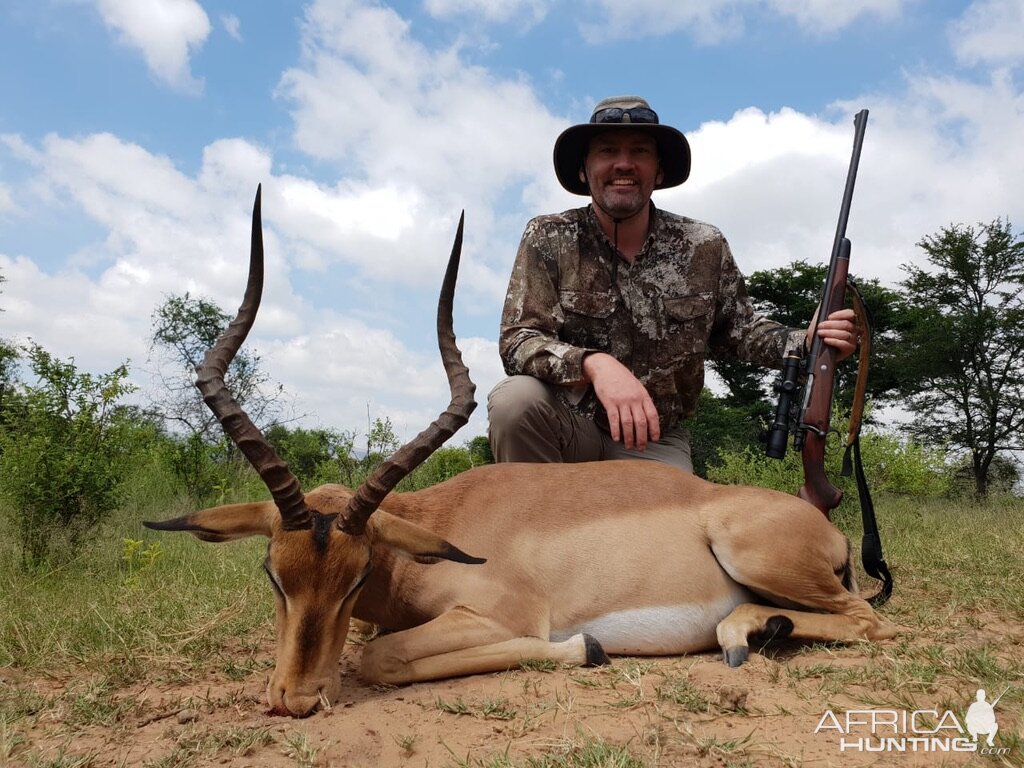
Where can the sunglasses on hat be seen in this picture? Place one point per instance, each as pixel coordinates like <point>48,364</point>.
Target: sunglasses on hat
<point>620,115</point>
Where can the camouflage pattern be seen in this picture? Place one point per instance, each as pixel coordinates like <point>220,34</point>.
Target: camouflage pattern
<point>682,299</point>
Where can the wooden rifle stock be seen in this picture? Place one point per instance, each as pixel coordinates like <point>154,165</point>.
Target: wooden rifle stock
<point>815,414</point>
<point>817,411</point>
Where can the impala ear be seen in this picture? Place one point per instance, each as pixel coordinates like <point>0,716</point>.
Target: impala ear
<point>225,523</point>
<point>411,540</point>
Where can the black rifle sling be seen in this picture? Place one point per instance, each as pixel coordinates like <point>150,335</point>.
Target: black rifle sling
<point>871,545</point>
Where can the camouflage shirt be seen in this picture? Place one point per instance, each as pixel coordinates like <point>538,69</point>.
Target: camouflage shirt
<point>681,299</point>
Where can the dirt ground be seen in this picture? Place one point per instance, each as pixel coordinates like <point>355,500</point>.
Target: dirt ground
<point>687,711</point>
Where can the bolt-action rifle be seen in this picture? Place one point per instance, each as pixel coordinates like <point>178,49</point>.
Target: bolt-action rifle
<point>814,370</point>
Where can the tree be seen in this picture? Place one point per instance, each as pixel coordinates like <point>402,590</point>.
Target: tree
<point>9,355</point>
<point>8,368</point>
<point>183,329</point>
<point>306,451</point>
<point>381,441</point>
<point>963,364</point>
<point>64,447</point>
<point>790,295</point>
<point>443,464</point>
<point>479,449</point>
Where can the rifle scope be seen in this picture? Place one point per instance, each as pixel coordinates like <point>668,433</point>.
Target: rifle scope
<point>786,386</point>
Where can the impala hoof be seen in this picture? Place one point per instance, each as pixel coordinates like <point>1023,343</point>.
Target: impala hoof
<point>596,657</point>
<point>736,655</point>
<point>776,628</point>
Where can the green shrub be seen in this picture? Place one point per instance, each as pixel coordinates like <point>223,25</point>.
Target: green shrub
<point>891,465</point>
<point>65,448</point>
<point>1003,479</point>
<point>193,462</point>
<point>444,463</point>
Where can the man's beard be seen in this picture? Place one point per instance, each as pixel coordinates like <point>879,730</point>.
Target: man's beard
<point>621,206</point>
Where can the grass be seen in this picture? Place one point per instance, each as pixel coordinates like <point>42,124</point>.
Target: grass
<point>298,748</point>
<point>196,744</point>
<point>176,612</point>
<point>684,694</point>
<point>488,708</point>
<point>580,752</point>
<point>81,640</point>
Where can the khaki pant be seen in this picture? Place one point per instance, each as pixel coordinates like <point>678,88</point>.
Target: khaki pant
<point>527,422</point>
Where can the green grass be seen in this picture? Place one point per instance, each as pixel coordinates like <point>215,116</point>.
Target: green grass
<point>120,617</point>
<point>953,555</point>
<point>582,752</point>
<point>195,744</point>
<point>139,606</point>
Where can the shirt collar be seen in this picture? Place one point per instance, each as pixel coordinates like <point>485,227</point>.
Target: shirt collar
<point>653,226</point>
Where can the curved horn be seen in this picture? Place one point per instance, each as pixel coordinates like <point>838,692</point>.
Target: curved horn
<point>370,494</point>
<point>283,485</point>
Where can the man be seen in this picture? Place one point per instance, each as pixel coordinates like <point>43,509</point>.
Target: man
<point>610,307</point>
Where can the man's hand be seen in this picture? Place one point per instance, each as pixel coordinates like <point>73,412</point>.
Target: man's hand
<point>839,331</point>
<point>632,416</point>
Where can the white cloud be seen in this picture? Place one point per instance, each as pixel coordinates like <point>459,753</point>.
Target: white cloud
<point>166,233</point>
<point>990,32</point>
<point>371,94</point>
<point>532,11</point>
<point>944,151</point>
<point>707,21</point>
<point>7,204</point>
<point>232,25</point>
<point>419,134</point>
<point>169,232</point>
<point>827,16</point>
<point>167,32</point>
<point>713,21</point>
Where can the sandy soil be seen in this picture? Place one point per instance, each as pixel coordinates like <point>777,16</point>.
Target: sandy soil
<point>692,711</point>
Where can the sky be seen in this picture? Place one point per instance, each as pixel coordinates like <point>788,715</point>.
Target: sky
<point>133,135</point>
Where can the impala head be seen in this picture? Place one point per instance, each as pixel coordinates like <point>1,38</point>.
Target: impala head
<point>320,545</point>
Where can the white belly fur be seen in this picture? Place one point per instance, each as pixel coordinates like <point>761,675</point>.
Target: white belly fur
<point>659,630</point>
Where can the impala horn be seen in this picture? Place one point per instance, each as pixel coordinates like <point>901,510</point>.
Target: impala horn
<point>373,490</point>
<point>283,485</point>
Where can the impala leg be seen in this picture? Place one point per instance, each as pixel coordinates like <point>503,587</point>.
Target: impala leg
<point>812,571</point>
<point>769,622</point>
<point>462,642</point>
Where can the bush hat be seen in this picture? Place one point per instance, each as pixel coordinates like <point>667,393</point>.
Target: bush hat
<point>618,113</point>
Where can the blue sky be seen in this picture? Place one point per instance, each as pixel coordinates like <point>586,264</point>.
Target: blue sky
<point>133,134</point>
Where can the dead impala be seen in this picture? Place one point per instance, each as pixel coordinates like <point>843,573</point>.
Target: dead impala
<point>570,561</point>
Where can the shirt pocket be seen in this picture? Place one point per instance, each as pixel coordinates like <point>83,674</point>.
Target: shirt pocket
<point>587,303</point>
<point>587,318</point>
<point>687,325</point>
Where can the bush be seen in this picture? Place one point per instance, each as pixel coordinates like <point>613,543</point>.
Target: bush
<point>720,427</point>
<point>308,451</point>
<point>64,451</point>
<point>891,465</point>
<point>442,464</point>
<point>1004,477</point>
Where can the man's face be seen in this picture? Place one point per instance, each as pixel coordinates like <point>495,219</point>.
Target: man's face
<point>622,169</point>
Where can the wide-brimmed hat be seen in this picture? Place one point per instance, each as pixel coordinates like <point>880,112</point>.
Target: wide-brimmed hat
<point>618,113</point>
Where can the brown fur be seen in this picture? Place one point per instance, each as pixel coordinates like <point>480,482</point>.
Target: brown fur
<point>563,545</point>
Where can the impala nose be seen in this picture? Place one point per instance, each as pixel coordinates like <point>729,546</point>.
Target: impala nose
<point>304,699</point>
<point>292,703</point>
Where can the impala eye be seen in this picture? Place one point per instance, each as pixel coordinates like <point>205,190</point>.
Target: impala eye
<point>273,581</point>
<point>362,580</point>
